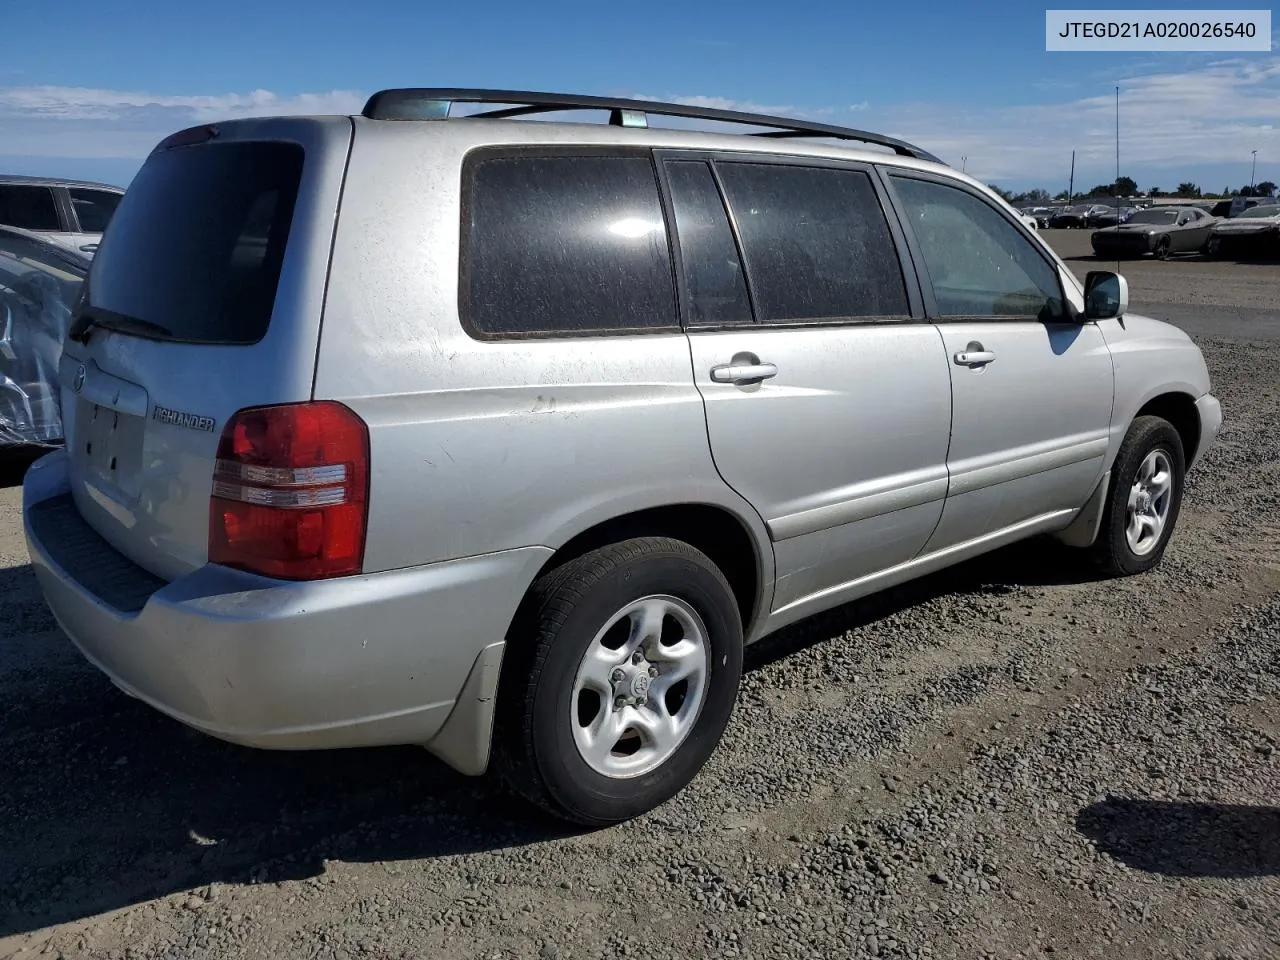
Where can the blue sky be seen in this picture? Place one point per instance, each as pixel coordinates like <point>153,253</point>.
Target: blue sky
<point>89,92</point>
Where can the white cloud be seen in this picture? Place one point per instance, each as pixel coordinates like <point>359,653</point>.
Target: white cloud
<point>1215,114</point>
<point>1194,114</point>
<point>85,122</point>
<point>726,103</point>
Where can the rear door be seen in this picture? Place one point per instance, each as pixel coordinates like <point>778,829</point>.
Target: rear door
<point>827,398</point>
<point>204,298</point>
<point>1031,384</point>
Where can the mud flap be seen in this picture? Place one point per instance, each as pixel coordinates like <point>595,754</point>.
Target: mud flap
<point>465,739</point>
<point>1083,530</point>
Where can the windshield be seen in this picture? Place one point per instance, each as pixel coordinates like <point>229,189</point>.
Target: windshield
<point>1260,212</point>
<point>1155,216</point>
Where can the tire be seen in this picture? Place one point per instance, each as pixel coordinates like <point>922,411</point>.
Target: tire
<point>550,691</point>
<point>1163,248</point>
<point>1150,440</point>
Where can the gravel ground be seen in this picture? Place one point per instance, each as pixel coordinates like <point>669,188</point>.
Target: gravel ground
<point>1008,759</point>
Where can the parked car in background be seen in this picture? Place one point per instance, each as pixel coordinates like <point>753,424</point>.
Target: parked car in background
<point>1069,218</point>
<point>1043,215</point>
<point>39,284</point>
<point>1240,204</point>
<point>71,213</point>
<point>1221,209</point>
<point>1161,231</point>
<point>489,505</point>
<point>1109,216</point>
<point>1253,233</point>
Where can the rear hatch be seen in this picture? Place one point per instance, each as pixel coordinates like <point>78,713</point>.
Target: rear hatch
<point>204,298</point>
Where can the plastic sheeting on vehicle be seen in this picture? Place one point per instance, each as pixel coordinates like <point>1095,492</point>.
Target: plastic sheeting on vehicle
<point>38,289</point>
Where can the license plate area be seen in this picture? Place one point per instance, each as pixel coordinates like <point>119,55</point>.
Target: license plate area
<point>110,446</point>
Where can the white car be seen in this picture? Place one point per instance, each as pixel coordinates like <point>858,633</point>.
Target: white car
<point>70,213</point>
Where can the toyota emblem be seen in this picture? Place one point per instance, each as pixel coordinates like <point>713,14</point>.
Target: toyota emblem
<point>79,381</point>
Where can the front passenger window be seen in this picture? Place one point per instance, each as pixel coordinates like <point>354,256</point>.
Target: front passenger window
<point>978,263</point>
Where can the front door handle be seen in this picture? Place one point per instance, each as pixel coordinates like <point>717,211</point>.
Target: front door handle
<point>974,355</point>
<point>743,372</point>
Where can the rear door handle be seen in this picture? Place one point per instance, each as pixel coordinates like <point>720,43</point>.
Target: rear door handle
<point>974,358</point>
<point>743,372</point>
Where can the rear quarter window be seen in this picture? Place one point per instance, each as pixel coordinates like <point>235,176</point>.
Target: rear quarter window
<point>564,245</point>
<point>196,245</point>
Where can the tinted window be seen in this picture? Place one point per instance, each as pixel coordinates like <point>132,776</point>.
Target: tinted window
<point>93,208</point>
<point>978,262</point>
<point>31,208</point>
<point>197,243</point>
<point>712,271</point>
<point>816,242</point>
<point>1154,216</point>
<point>566,245</point>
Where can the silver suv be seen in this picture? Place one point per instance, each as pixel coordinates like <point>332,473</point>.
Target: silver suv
<point>504,437</point>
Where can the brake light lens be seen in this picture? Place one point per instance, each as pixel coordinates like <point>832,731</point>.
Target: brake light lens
<point>290,491</point>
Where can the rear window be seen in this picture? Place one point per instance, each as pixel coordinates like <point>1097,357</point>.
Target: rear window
<point>196,245</point>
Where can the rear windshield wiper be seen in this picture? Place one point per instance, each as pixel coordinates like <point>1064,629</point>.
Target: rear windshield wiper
<point>83,326</point>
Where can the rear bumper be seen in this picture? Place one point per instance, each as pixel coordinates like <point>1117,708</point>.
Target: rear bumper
<point>357,661</point>
<point>1210,411</point>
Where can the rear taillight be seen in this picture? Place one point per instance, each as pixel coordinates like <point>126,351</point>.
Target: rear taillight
<point>290,487</point>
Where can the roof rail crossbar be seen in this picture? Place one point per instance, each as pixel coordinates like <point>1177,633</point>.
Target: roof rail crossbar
<point>429,103</point>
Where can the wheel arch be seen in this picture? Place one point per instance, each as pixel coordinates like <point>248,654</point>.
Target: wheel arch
<point>730,541</point>
<point>1179,409</point>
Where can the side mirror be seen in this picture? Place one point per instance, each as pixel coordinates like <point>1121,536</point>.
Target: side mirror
<point>1106,295</point>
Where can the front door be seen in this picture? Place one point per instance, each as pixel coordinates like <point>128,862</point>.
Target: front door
<point>826,394</point>
<point>1031,383</point>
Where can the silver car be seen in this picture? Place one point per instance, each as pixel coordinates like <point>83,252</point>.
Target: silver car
<point>504,436</point>
<point>70,213</point>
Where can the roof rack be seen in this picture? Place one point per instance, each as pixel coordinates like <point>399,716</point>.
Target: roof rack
<point>433,103</point>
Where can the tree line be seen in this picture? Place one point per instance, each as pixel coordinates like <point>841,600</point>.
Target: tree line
<point>1128,187</point>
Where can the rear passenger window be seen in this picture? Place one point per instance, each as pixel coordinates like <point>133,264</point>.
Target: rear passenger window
<point>565,244</point>
<point>31,208</point>
<point>717,291</point>
<point>816,242</point>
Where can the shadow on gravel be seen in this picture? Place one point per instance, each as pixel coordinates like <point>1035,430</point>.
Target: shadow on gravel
<point>104,803</point>
<point>1186,839</point>
<point>13,467</point>
<point>1039,562</point>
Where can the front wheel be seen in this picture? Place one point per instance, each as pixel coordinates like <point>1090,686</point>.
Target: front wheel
<point>622,672</point>
<point>1143,499</point>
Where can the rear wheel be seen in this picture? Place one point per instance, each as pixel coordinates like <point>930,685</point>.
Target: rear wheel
<point>1143,499</point>
<point>1163,248</point>
<point>621,675</point>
